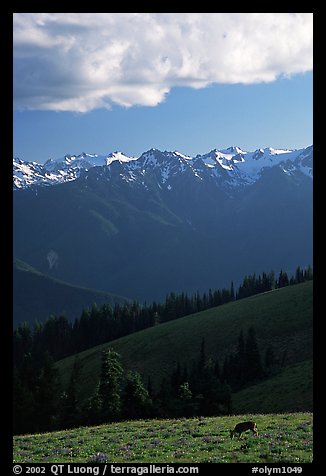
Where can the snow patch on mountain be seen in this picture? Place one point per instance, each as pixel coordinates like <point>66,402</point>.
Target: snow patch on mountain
<point>120,156</point>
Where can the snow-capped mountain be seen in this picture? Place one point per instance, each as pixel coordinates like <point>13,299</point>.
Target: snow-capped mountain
<point>232,167</point>
<point>142,227</point>
<point>53,172</point>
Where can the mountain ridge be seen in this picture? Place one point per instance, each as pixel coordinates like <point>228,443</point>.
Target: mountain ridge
<point>235,166</point>
<point>165,222</point>
<point>37,296</point>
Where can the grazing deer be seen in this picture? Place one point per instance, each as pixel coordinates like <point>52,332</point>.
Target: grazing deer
<point>241,427</point>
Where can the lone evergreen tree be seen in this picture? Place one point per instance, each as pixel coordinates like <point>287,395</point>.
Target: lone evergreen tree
<point>185,405</point>
<point>110,386</point>
<point>136,400</point>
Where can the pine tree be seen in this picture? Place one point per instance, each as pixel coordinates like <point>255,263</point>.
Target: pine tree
<point>308,274</point>
<point>23,406</point>
<point>215,396</point>
<point>110,386</point>
<point>283,279</point>
<point>92,409</point>
<point>163,398</point>
<point>22,343</point>
<point>232,294</point>
<point>46,395</point>
<point>185,405</point>
<point>70,410</point>
<point>217,298</point>
<point>170,308</point>
<point>136,401</point>
<point>299,275</point>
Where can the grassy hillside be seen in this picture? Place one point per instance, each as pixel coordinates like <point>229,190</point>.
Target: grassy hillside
<point>283,438</point>
<point>290,390</point>
<point>282,318</point>
<point>36,296</point>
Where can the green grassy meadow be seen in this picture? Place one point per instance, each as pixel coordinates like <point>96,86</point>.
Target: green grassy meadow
<point>285,438</point>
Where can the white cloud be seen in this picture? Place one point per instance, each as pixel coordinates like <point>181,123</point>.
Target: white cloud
<point>82,61</point>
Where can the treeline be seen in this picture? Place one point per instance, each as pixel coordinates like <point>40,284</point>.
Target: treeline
<point>100,324</point>
<point>202,387</point>
<point>266,282</point>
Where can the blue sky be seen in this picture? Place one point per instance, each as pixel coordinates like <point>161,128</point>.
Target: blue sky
<point>183,90</point>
